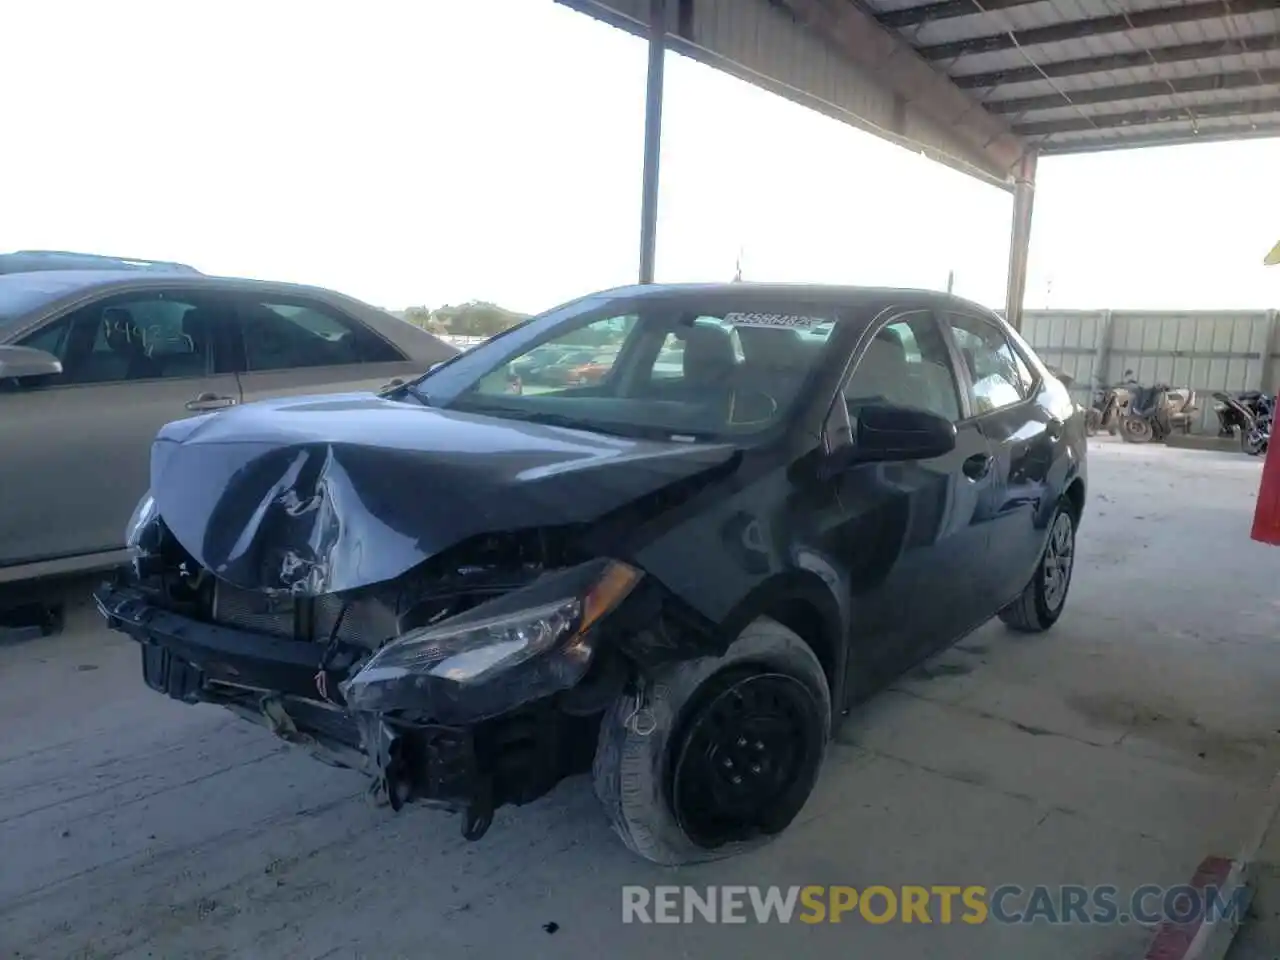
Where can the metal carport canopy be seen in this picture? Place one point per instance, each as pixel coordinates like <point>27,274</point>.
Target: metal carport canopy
<point>986,86</point>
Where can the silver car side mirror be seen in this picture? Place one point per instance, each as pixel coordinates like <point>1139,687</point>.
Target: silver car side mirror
<point>27,362</point>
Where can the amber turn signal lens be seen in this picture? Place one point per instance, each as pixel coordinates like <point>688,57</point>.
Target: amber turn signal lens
<point>610,590</point>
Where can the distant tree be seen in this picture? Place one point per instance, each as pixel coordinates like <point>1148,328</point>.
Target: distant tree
<point>476,319</point>
<point>425,318</point>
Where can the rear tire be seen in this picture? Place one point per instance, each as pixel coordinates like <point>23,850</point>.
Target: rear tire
<point>655,778</point>
<point>1041,602</point>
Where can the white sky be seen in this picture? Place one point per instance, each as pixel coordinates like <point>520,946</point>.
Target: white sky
<point>443,150</point>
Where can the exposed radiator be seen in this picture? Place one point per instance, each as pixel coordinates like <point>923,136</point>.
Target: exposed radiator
<point>367,623</point>
<point>254,611</point>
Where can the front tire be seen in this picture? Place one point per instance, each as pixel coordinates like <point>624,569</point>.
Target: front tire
<point>1041,602</point>
<point>1136,430</point>
<point>727,753</point>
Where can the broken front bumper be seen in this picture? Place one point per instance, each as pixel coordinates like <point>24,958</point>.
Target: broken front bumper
<point>466,767</point>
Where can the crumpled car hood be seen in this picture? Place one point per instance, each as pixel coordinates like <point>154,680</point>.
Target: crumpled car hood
<point>322,494</point>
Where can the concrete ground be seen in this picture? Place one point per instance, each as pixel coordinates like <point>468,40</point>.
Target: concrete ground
<point>1121,748</point>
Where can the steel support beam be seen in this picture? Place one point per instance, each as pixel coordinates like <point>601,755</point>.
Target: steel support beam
<point>652,138</point>
<point>1178,53</point>
<point>1243,130</point>
<point>1024,194</point>
<point>1241,80</point>
<point>1096,26</point>
<point>900,69</point>
<point>1244,109</point>
<point>771,44</point>
<point>945,10</point>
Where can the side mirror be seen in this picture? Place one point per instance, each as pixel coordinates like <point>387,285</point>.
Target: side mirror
<point>883,434</point>
<point>27,362</point>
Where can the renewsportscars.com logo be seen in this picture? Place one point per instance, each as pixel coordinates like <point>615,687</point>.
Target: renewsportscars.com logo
<point>945,904</point>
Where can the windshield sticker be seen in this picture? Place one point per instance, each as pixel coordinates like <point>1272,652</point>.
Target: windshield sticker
<point>787,321</point>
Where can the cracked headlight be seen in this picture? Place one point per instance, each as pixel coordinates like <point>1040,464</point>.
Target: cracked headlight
<point>136,533</point>
<point>469,653</point>
<point>545,629</point>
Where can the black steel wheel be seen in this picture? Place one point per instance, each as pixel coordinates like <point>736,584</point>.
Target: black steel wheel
<point>746,756</point>
<point>668,753</point>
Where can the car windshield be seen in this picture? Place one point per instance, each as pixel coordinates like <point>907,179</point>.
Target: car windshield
<point>657,366</point>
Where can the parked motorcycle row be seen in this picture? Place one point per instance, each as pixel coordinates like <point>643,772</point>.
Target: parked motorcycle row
<point>1151,413</point>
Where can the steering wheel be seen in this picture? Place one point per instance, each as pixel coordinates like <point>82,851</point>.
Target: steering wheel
<point>751,408</point>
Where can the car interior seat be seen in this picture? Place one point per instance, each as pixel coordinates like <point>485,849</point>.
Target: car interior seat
<point>125,357</point>
<point>191,359</point>
<point>709,365</point>
<point>882,375</point>
<point>775,362</point>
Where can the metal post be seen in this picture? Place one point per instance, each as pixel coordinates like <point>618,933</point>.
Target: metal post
<point>1024,194</point>
<point>652,138</point>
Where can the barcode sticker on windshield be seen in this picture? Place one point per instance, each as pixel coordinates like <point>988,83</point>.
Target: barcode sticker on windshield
<point>771,320</point>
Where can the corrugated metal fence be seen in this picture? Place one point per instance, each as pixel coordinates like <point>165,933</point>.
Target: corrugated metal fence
<point>1205,350</point>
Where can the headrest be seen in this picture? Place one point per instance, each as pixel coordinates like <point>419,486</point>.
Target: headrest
<point>886,350</point>
<point>882,372</point>
<point>773,348</point>
<point>195,324</point>
<point>119,329</point>
<point>708,353</point>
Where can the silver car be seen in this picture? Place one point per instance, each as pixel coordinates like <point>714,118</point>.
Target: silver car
<point>93,363</point>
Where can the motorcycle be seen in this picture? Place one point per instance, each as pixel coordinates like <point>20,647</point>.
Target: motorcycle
<point>1157,411</point>
<point>1109,404</point>
<point>1249,414</point>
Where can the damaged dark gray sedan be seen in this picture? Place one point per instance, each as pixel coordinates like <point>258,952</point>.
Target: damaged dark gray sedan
<point>677,574</point>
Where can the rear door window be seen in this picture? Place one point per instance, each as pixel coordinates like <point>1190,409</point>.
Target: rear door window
<point>998,375</point>
<point>906,365</point>
<point>289,334</point>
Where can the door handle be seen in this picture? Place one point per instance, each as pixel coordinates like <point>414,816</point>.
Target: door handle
<point>977,466</point>
<point>210,401</point>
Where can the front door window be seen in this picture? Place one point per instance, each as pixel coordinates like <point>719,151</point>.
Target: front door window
<point>156,337</point>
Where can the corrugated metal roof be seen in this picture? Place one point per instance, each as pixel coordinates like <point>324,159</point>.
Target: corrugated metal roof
<point>1072,76</point>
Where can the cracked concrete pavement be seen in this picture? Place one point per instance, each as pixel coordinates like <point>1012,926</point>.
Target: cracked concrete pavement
<point>1121,748</point>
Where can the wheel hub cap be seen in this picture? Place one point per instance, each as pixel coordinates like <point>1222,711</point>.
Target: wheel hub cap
<point>1058,558</point>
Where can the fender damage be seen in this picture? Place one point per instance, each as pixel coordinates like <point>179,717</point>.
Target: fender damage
<point>438,599</point>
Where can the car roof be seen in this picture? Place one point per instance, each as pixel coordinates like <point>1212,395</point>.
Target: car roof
<point>23,293</point>
<point>67,281</point>
<point>27,261</point>
<point>812,292</point>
